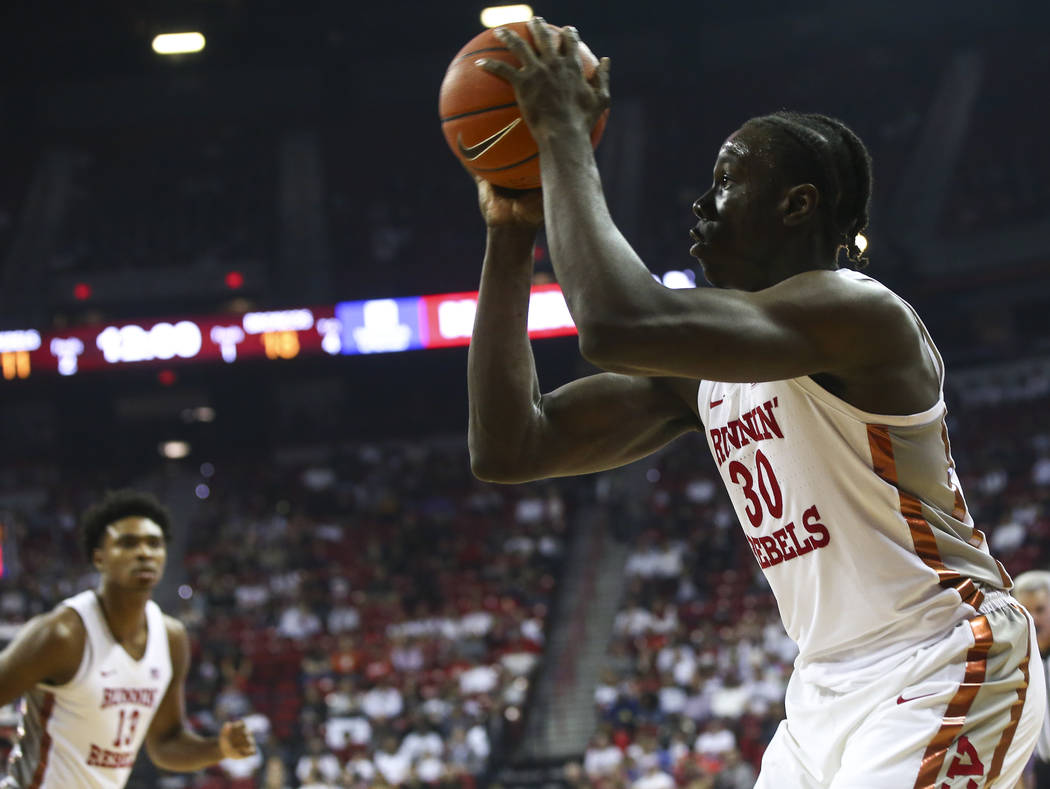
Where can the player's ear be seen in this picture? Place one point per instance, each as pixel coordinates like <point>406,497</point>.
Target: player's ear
<point>96,559</point>
<point>799,204</point>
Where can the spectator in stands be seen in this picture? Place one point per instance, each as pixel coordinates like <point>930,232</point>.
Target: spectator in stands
<point>317,763</point>
<point>392,763</point>
<point>715,739</point>
<point>601,758</point>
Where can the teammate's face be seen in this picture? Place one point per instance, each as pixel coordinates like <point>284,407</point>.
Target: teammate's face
<point>737,232</point>
<point>1038,604</point>
<point>132,553</point>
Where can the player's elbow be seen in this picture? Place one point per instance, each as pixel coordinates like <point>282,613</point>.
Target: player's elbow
<point>495,461</point>
<point>494,467</point>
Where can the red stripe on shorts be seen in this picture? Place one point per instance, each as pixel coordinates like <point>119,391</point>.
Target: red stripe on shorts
<point>959,706</point>
<point>1015,716</point>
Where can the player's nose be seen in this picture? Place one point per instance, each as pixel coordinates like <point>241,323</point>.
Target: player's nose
<point>702,205</point>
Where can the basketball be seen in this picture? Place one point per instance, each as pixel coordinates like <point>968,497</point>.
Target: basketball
<point>480,118</point>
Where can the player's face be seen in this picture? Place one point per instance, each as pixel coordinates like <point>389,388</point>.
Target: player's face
<point>1038,604</point>
<point>735,236</point>
<point>132,553</point>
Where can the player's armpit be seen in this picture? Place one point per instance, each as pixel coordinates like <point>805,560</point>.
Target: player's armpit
<point>814,322</point>
<point>591,424</point>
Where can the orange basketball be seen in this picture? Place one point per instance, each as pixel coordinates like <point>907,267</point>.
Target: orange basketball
<point>480,118</point>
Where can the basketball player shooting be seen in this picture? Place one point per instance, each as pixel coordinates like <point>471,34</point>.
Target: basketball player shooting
<point>820,394</point>
<point>106,669</point>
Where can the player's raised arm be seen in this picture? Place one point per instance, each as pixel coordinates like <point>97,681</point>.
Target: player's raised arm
<point>758,229</point>
<point>170,743</point>
<point>517,433</point>
<point>47,650</point>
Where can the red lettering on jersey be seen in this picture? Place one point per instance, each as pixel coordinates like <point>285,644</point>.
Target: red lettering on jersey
<point>756,549</point>
<point>112,760</point>
<point>758,424</point>
<point>770,545</point>
<point>802,549</point>
<point>814,527</point>
<point>783,546</point>
<point>140,697</point>
<point>769,422</point>
<point>782,539</point>
<point>747,426</point>
<point>716,442</point>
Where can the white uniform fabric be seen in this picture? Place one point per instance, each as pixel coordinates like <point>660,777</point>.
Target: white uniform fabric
<point>1042,748</point>
<point>87,732</point>
<point>859,522</point>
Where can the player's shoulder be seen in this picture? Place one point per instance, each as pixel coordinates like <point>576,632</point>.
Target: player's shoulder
<point>176,629</point>
<point>63,626</point>
<point>842,298</point>
<point>58,635</point>
<point>836,285</point>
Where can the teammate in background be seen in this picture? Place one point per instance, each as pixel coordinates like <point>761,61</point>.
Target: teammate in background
<point>1032,589</point>
<point>820,392</point>
<point>105,670</point>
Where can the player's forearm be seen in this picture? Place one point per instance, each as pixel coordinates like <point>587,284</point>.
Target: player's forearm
<point>502,385</point>
<point>605,282</point>
<point>185,752</point>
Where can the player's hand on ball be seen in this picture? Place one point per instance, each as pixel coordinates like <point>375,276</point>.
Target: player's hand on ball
<point>236,741</point>
<point>551,89</point>
<point>509,207</point>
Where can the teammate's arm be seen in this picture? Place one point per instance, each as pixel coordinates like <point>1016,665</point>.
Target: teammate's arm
<point>170,742</point>
<point>516,433</point>
<point>48,649</point>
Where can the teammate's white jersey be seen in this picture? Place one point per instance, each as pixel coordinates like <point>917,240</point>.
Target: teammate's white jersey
<point>857,519</point>
<point>87,732</point>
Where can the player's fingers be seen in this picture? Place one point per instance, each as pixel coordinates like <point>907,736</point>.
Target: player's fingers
<point>541,36</point>
<point>570,45</point>
<point>526,55</point>
<point>600,80</point>
<point>498,69</point>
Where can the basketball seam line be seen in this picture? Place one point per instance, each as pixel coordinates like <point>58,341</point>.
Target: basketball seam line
<point>504,167</point>
<point>479,112</point>
<point>474,52</point>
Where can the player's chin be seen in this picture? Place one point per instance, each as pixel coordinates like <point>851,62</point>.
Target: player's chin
<point>710,270</point>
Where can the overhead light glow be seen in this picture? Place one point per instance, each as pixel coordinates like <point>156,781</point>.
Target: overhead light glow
<point>861,241</point>
<point>178,43</point>
<point>174,450</point>
<point>497,15</point>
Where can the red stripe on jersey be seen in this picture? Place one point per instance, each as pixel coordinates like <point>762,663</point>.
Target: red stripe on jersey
<point>922,538</point>
<point>45,740</point>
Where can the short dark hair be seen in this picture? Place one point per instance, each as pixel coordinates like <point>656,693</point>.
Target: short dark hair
<point>116,505</point>
<point>838,163</point>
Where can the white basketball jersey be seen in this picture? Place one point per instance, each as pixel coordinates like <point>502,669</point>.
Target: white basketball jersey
<point>857,519</point>
<point>87,732</point>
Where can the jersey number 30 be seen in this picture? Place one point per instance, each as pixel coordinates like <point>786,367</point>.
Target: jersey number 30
<point>768,487</point>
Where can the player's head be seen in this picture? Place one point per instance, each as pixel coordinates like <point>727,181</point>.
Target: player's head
<point>125,537</point>
<point>783,181</point>
<point>1032,590</point>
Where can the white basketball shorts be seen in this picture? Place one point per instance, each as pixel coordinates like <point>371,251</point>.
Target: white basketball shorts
<point>963,713</point>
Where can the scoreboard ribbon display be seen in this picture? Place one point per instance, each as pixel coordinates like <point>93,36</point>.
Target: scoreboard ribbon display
<point>346,328</point>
